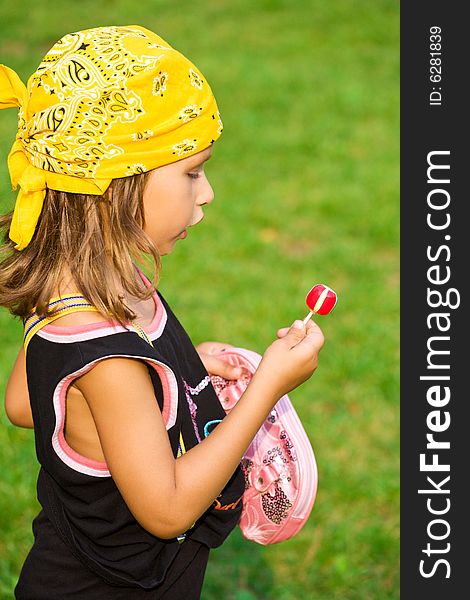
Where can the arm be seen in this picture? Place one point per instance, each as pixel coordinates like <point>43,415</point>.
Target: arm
<point>166,495</point>
<point>17,405</point>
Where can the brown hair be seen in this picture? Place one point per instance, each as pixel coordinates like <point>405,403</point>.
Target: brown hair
<point>96,238</point>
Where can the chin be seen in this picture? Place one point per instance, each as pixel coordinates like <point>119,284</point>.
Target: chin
<point>165,249</point>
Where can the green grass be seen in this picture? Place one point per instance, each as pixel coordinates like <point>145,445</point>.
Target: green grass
<point>306,182</point>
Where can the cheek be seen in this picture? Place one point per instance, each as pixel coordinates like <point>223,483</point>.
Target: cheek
<point>169,207</point>
<point>150,217</point>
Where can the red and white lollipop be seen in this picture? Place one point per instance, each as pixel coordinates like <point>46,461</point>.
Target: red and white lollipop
<point>321,300</point>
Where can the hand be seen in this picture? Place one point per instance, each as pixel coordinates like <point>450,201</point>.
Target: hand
<point>214,365</point>
<point>292,359</point>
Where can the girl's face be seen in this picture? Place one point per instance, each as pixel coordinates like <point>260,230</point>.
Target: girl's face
<point>173,199</point>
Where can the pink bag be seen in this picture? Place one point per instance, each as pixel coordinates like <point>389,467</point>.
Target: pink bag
<point>279,466</point>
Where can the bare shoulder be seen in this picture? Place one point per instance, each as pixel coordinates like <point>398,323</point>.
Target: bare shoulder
<point>77,319</point>
<point>120,395</point>
<point>67,287</point>
<point>116,370</point>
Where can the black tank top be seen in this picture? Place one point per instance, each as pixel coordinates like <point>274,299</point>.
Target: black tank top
<point>78,494</point>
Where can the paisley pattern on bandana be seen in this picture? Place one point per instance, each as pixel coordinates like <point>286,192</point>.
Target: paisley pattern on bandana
<point>189,112</point>
<point>136,169</point>
<point>195,79</point>
<point>185,147</point>
<point>159,84</point>
<point>104,103</point>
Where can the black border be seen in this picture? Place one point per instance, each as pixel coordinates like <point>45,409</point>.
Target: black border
<point>424,129</point>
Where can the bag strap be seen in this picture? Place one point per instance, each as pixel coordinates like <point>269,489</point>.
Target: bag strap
<point>62,305</point>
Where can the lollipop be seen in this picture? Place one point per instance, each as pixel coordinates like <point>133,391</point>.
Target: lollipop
<point>321,300</point>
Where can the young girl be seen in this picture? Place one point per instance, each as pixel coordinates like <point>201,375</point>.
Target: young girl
<point>139,472</point>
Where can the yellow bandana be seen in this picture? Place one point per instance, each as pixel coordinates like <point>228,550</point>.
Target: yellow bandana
<point>104,103</point>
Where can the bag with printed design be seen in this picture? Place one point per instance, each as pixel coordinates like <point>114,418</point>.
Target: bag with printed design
<point>279,466</point>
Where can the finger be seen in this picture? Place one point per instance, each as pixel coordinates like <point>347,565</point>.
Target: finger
<point>312,326</point>
<point>295,334</point>
<point>216,366</point>
<point>314,337</point>
<point>283,331</point>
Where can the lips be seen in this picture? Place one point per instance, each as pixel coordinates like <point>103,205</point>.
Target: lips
<point>183,235</point>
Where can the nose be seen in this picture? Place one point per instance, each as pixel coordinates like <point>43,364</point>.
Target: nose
<point>206,195</point>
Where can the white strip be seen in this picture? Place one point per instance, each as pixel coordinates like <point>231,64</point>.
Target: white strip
<point>60,417</point>
<point>161,326</point>
<point>59,420</point>
<point>69,338</point>
<point>308,317</point>
<point>321,299</point>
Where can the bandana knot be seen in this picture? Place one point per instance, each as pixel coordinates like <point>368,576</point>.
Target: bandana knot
<point>32,180</point>
<point>30,199</point>
<point>12,89</point>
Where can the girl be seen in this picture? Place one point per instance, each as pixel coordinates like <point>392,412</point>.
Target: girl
<point>139,469</point>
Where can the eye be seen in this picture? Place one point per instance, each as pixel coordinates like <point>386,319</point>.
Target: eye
<point>193,175</point>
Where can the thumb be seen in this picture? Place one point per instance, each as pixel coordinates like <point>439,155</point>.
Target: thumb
<point>296,333</point>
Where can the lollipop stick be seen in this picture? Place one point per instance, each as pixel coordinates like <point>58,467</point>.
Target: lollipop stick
<point>308,317</point>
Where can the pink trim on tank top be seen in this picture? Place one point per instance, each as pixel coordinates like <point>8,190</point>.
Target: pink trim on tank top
<point>89,466</point>
<point>66,330</point>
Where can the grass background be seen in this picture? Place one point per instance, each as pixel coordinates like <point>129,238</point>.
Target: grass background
<point>306,182</point>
